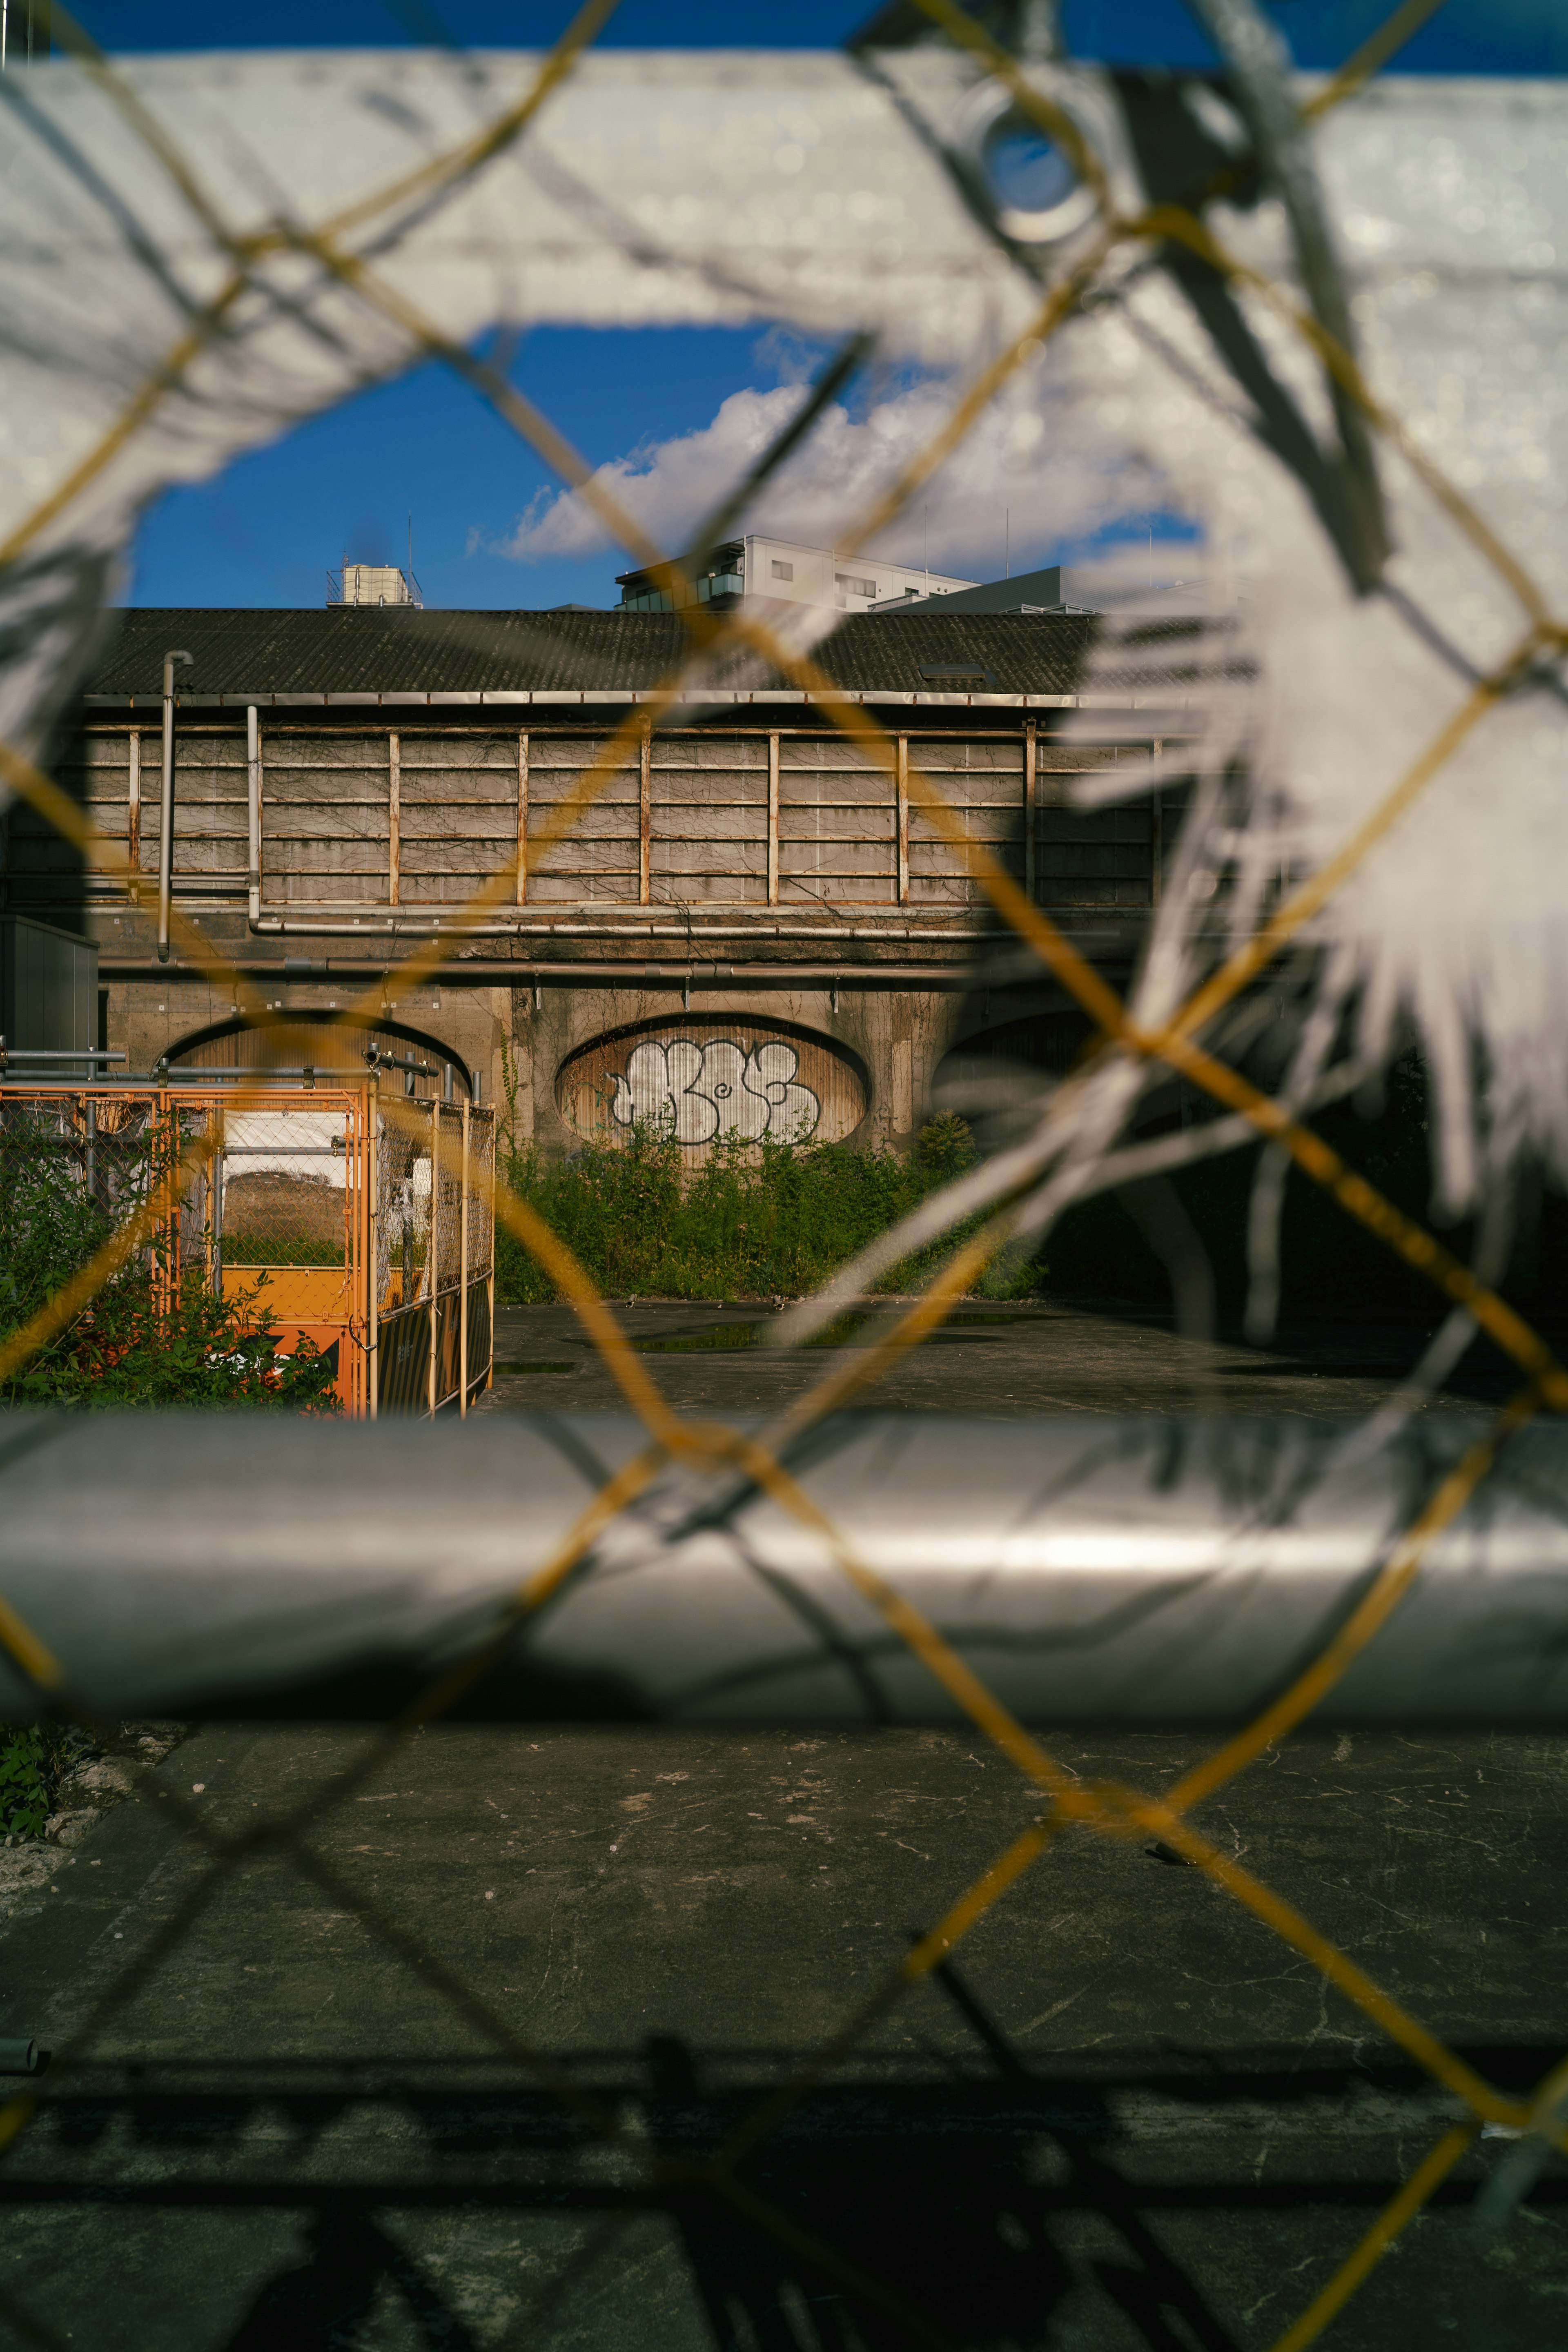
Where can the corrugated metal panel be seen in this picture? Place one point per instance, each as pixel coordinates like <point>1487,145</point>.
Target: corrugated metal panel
<point>342,650</point>
<point>48,988</point>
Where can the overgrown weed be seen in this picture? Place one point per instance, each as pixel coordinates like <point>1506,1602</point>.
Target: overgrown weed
<point>751,1222</point>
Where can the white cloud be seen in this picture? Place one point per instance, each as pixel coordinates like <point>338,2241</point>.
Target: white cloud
<point>1011,465</point>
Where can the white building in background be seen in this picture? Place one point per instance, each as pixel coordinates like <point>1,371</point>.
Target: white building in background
<point>374,583</point>
<point>786,572</point>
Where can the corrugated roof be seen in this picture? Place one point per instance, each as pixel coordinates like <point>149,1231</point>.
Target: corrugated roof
<point>357,650</point>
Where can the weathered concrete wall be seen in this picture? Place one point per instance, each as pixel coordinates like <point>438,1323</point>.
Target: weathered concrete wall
<point>763,840</point>
<point>897,1037</point>
<point>467,1025</point>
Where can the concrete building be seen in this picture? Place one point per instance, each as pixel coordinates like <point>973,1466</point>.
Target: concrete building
<point>784,573</point>
<point>1060,588</point>
<point>753,925</point>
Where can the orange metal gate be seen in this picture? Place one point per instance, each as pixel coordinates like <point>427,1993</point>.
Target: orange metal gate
<point>431,1294</point>
<point>365,1223</point>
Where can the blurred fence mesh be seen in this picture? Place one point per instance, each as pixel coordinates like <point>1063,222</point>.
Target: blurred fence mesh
<point>264,1189</point>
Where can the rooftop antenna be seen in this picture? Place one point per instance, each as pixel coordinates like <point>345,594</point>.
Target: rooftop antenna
<point>411,551</point>
<point>925,540</point>
<point>1006,543</point>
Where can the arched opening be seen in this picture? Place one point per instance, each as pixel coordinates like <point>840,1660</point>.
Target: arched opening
<point>1000,1071</point>
<point>286,1045</point>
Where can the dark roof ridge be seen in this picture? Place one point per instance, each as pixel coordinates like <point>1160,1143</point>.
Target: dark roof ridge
<point>373,650</point>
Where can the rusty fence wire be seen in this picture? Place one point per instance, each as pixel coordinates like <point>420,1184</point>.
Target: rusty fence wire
<point>225,1188</point>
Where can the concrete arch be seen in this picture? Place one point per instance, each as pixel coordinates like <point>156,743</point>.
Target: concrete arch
<point>322,1040</point>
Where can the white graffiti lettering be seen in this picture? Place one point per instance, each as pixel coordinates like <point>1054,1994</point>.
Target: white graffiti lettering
<point>694,1092</point>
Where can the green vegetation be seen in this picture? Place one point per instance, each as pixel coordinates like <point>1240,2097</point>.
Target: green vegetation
<point>741,1227</point>
<point>737,1226</point>
<point>132,1343</point>
<point>34,1759</point>
<point>125,1350</point>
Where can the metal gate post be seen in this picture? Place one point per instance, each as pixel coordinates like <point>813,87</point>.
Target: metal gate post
<point>371,1224</point>
<point>432,1246</point>
<point>214,1201</point>
<point>463,1283</point>
<point>165,1277</point>
<point>490,1277</point>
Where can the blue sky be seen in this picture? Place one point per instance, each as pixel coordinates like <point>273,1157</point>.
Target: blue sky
<point>266,531</point>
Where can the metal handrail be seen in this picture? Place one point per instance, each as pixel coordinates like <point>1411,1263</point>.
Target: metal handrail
<point>56,1053</point>
<point>310,1073</point>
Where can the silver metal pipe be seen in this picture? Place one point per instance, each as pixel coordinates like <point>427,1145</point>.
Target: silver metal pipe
<point>198,1073</point>
<point>56,1053</point>
<point>1088,1567</point>
<point>253,809</point>
<point>166,836</point>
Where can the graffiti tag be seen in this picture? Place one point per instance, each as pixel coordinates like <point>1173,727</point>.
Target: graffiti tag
<point>694,1092</point>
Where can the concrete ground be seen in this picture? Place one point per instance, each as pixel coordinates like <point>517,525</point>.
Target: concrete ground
<point>1124,2117</point>
<point>1011,1359</point>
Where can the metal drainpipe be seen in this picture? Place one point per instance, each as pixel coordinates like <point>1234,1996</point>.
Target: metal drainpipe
<point>166,840</point>
<point>253,796</point>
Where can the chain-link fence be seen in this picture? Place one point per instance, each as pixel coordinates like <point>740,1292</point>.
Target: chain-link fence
<point>1210,259</point>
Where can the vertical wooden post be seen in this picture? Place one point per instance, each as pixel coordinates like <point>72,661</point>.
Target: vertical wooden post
<point>521,820</point>
<point>1156,838</point>
<point>903,820</point>
<point>463,1284</point>
<point>773,818</point>
<point>394,815</point>
<point>645,811</point>
<point>1031,812</point>
<point>133,817</point>
<point>432,1242</point>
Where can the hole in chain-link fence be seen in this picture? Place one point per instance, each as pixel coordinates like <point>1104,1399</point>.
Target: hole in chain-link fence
<point>268,1230</point>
